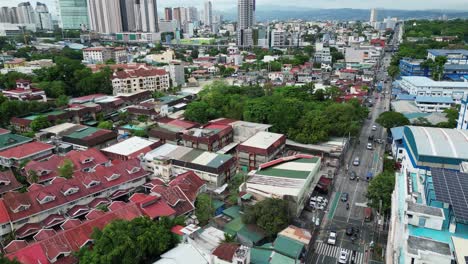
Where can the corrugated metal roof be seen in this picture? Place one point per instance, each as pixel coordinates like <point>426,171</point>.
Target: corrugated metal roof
<point>204,158</point>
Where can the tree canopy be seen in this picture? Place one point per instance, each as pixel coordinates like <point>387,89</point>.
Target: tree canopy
<point>141,240</point>
<point>270,214</point>
<point>39,123</point>
<point>204,208</point>
<point>303,113</point>
<point>380,189</point>
<point>66,169</point>
<point>391,119</point>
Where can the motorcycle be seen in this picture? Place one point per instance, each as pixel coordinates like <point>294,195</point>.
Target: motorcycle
<point>347,206</point>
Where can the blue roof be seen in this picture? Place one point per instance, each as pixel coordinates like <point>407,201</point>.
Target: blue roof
<point>454,67</point>
<point>397,132</point>
<point>407,97</point>
<point>433,99</point>
<point>445,52</point>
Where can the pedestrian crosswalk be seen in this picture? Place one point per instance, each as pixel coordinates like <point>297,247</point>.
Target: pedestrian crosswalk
<point>334,251</point>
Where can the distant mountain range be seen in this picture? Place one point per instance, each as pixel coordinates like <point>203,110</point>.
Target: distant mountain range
<point>343,14</point>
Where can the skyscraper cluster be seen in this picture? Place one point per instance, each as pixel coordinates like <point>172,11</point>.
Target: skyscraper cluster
<point>181,14</point>
<point>245,22</point>
<point>24,13</point>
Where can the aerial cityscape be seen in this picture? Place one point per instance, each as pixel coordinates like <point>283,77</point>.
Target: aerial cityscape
<point>243,132</point>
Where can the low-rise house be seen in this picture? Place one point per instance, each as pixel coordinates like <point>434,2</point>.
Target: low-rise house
<point>211,137</point>
<point>169,160</point>
<point>23,123</point>
<point>8,140</point>
<point>90,137</point>
<point>131,148</point>
<point>13,157</point>
<point>25,212</point>
<point>8,182</point>
<point>290,178</point>
<point>170,130</point>
<point>25,92</point>
<point>260,148</point>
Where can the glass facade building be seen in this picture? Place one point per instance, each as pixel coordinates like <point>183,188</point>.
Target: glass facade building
<point>73,14</point>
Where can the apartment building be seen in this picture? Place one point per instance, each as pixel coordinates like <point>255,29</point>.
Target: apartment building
<point>141,79</point>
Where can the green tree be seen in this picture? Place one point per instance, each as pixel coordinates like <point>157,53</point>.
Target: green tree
<point>66,169</point>
<point>39,123</point>
<point>391,119</point>
<point>5,260</point>
<point>227,238</point>
<point>380,189</point>
<point>140,240</point>
<point>33,177</point>
<point>62,100</point>
<point>158,94</point>
<point>393,71</point>
<point>271,215</point>
<point>204,209</point>
<point>200,112</point>
<point>105,125</point>
<point>142,118</point>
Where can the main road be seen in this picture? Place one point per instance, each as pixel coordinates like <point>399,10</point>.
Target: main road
<point>337,217</point>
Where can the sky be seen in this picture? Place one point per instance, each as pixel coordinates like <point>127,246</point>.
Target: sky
<point>229,5</point>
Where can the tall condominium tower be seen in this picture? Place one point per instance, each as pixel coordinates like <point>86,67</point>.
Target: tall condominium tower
<point>105,16</point>
<point>127,9</point>
<point>373,15</point>
<point>168,13</point>
<point>245,21</point>
<point>177,15</point>
<point>43,17</point>
<point>26,13</point>
<point>208,14</point>
<point>73,14</point>
<point>149,15</point>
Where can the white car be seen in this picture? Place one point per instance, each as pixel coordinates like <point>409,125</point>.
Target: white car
<point>356,161</point>
<point>369,146</point>
<point>343,257</point>
<point>317,221</point>
<point>374,127</point>
<point>332,238</point>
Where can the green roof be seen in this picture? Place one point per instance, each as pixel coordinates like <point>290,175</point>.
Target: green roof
<point>277,258</point>
<point>273,171</point>
<point>51,113</point>
<point>246,196</point>
<point>11,140</point>
<point>260,256</point>
<point>284,173</point>
<point>287,246</point>
<point>234,226</point>
<point>217,203</point>
<point>233,212</point>
<point>82,133</point>
<point>251,235</point>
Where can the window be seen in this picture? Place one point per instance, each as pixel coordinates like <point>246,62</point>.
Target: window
<point>400,151</point>
<point>422,222</point>
<point>4,226</point>
<point>410,216</point>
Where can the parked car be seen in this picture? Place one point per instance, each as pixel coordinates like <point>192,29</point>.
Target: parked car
<point>344,197</point>
<point>349,230</point>
<point>356,161</point>
<point>369,146</point>
<point>343,257</point>
<point>332,238</point>
<point>352,175</point>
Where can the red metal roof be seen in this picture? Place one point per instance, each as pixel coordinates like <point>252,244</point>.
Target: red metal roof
<point>226,251</point>
<point>33,254</point>
<point>9,182</point>
<point>95,213</point>
<point>177,230</point>
<point>98,201</point>
<point>52,220</point>
<point>138,73</point>
<point>15,245</point>
<point>175,198</point>
<point>27,230</point>
<point>189,183</point>
<point>152,206</point>
<point>44,234</point>
<point>70,223</point>
<point>25,150</point>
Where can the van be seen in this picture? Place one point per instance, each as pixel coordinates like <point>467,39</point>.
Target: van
<point>367,214</point>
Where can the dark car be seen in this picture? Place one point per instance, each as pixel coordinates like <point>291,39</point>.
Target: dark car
<point>349,230</point>
<point>352,175</point>
<point>344,197</point>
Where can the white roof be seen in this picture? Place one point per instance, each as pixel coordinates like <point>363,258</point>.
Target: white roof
<point>129,146</point>
<point>182,254</point>
<point>262,140</point>
<point>59,128</point>
<point>461,248</point>
<point>424,81</point>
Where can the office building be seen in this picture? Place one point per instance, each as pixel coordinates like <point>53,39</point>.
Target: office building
<point>73,14</point>
<point>43,17</point>
<point>278,38</point>
<point>105,16</point>
<point>373,15</point>
<point>459,56</point>
<point>26,13</point>
<point>192,14</point>
<point>245,20</point>
<point>208,14</point>
<point>168,13</point>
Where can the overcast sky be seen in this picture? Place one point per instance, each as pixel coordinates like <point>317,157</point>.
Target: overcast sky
<point>227,5</point>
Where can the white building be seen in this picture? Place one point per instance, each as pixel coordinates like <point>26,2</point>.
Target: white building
<point>322,54</point>
<point>433,104</point>
<point>245,20</point>
<point>142,79</point>
<point>423,86</point>
<point>298,177</point>
<point>149,15</point>
<point>96,55</point>
<point>373,15</point>
<point>362,54</point>
<point>208,14</point>
<point>177,73</point>
<point>278,37</point>
<point>462,122</point>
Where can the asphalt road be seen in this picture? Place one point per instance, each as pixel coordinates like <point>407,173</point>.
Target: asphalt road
<point>337,217</point>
